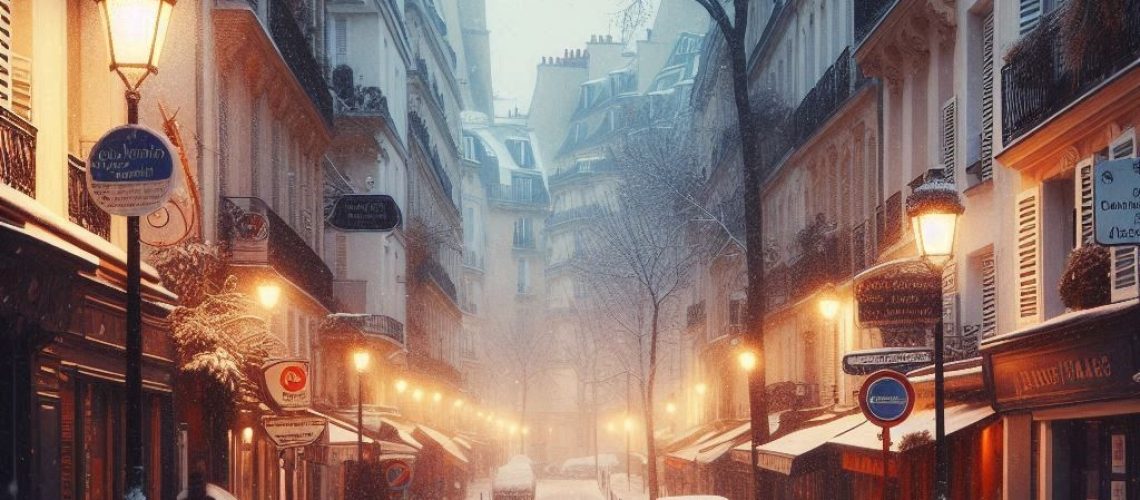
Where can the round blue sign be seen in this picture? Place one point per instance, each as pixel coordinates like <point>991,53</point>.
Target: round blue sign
<point>130,171</point>
<point>886,398</point>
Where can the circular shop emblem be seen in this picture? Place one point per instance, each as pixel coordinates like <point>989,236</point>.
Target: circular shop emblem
<point>886,398</point>
<point>293,379</point>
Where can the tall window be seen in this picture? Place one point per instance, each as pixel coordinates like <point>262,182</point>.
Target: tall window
<point>524,233</point>
<point>523,276</point>
<point>469,148</point>
<point>521,152</point>
<point>340,28</point>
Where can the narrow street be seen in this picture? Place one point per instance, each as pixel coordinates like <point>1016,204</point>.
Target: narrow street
<point>547,489</point>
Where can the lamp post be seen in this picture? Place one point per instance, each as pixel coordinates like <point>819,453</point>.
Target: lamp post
<point>829,308</point>
<point>934,209</point>
<point>360,358</point>
<point>748,362</point>
<point>136,30</point>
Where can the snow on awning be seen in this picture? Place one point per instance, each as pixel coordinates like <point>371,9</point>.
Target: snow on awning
<point>710,449</point>
<point>444,442</point>
<point>780,454</point>
<point>958,417</point>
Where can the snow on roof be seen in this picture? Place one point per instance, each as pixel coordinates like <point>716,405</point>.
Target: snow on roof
<point>706,450</point>
<point>444,442</point>
<point>57,231</point>
<point>958,417</point>
<point>778,454</point>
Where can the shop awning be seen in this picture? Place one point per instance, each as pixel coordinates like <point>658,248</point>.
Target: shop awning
<point>712,447</point>
<point>779,455</point>
<point>958,417</point>
<point>443,441</point>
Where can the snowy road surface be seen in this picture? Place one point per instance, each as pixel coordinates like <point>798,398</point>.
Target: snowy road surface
<point>547,489</point>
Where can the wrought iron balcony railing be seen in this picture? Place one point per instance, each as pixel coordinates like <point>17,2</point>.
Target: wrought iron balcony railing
<point>17,153</point>
<point>583,167</point>
<point>1043,76</point>
<point>295,50</point>
<point>255,234</point>
<point>522,194</point>
<point>577,213</point>
<point>822,101</point>
<point>419,130</point>
<point>867,15</point>
<point>432,270</point>
<point>473,259</point>
<point>81,209</point>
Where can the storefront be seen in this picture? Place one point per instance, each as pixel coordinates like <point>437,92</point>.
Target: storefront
<point>62,337</point>
<point>1068,391</point>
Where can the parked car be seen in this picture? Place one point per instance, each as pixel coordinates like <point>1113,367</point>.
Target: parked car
<point>514,481</point>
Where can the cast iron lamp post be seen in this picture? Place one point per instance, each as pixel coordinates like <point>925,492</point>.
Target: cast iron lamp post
<point>136,30</point>
<point>934,209</point>
<point>360,358</point>
<point>829,309</point>
<point>748,362</point>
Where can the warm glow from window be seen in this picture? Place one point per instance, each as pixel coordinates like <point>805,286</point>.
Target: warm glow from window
<point>628,424</point>
<point>670,408</point>
<point>418,395</point>
<point>437,397</point>
<point>247,435</point>
<point>829,306</point>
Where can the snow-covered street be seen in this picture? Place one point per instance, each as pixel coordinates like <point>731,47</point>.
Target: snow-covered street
<point>547,489</point>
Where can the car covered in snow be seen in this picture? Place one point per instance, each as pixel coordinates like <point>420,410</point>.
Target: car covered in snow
<point>514,481</point>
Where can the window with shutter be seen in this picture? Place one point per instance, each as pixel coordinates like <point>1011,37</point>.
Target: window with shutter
<point>989,296</point>
<point>341,28</point>
<point>1084,202</point>
<point>6,54</point>
<point>1029,15</point>
<point>949,138</point>
<point>1123,268</point>
<point>1028,256</point>
<point>341,256</point>
<point>950,312</point>
<point>985,171</point>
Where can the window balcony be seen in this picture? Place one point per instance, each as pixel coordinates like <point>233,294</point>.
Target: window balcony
<point>372,326</point>
<point>81,209</point>
<point>1038,80</point>
<point>523,242</point>
<point>432,270</point>
<point>473,260</point>
<point>419,131</point>
<point>357,100</point>
<point>17,153</point>
<point>256,235</point>
<point>519,194</point>
<point>822,101</point>
<point>583,168</point>
<point>298,55</point>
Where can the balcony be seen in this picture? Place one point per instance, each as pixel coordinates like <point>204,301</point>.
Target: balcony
<point>17,153</point>
<point>583,168</point>
<point>523,241</point>
<point>371,326</point>
<point>81,209</point>
<point>1039,80</point>
<point>867,15</point>
<point>419,130</point>
<point>888,221</point>
<point>357,100</point>
<point>256,235</point>
<point>472,259</point>
<point>822,101</point>
<point>432,270</point>
<point>298,55</point>
<point>425,364</point>
<point>584,212</point>
<point>530,193</point>
<point>435,96</point>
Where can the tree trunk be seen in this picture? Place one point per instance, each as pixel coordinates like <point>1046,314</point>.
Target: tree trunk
<point>650,445</point>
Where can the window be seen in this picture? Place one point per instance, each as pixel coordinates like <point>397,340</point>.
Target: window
<point>5,55</point>
<point>522,188</point>
<point>524,233</point>
<point>521,152</point>
<point>1031,12</point>
<point>985,170</point>
<point>580,132</point>
<point>340,27</point>
<point>612,117</point>
<point>736,311</point>
<point>469,148</point>
<point>586,97</point>
<point>523,277</point>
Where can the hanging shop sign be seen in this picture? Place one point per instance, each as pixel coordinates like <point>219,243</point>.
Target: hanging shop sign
<point>900,359</point>
<point>290,432</point>
<point>130,171</point>
<point>365,212</point>
<point>397,474</point>
<point>899,293</point>
<point>1116,202</point>
<point>286,384</point>
<point>886,398</point>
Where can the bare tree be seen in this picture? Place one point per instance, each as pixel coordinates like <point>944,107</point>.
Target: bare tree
<point>639,257</point>
<point>525,351</point>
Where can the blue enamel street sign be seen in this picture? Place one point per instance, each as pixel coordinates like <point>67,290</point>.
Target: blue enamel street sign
<point>130,171</point>
<point>886,398</point>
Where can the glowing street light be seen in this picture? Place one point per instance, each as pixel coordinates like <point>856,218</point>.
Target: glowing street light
<point>701,388</point>
<point>828,302</point>
<point>747,360</point>
<point>437,397</point>
<point>458,403</point>
<point>401,385</point>
<point>268,293</point>
<point>670,408</point>
<point>360,358</point>
<point>628,424</point>
<point>610,427</point>
<point>418,394</point>
<point>136,32</point>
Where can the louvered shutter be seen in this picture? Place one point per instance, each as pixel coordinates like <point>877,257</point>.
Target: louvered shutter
<point>950,313</point>
<point>1029,15</point>
<point>1028,256</point>
<point>949,138</point>
<point>1084,202</point>
<point>986,170</point>
<point>341,256</point>
<point>989,296</point>
<point>1123,269</point>
<point>6,54</point>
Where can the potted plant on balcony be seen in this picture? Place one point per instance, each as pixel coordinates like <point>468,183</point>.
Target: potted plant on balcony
<point>1085,283</point>
<point>1091,32</point>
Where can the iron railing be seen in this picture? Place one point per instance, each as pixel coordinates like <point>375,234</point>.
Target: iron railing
<point>432,270</point>
<point>295,50</point>
<point>255,234</point>
<point>583,167</point>
<point>419,130</point>
<point>17,153</point>
<point>867,15</point>
<point>523,241</point>
<point>81,209</point>
<point>1039,80</point>
<point>524,194</point>
<point>888,221</point>
<point>576,213</point>
<point>473,259</point>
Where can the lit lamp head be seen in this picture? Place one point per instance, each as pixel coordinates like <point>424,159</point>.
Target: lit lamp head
<point>458,403</point>
<point>747,360</point>
<point>701,388</point>
<point>361,358</point>
<point>247,436</point>
<point>418,394</point>
<point>437,397</point>
<point>268,293</point>
<point>628,424</point>
<point>829,302</point>
<point>401,386</point>
<point>670,408</point>
<point>136,31</point>
<point>934,209</point>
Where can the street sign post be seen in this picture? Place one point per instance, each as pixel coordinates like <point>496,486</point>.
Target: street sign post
<point>1116,202</point>
<point>290,432</point>
<point>886,399</point>
<point>130,171</point>
<point>365,212</point>
<point>899,359</point>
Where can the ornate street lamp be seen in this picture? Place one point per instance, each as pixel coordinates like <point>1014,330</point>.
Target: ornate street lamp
<point>828,302</point>
<point>268,293</point>
<point>934,209</point>
<point>747,360</point>
<point>136,30</point>
<point>360,359</point>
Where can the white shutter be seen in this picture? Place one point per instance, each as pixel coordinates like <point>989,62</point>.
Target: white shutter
<point>340,27</point>
<point>985,172</point>
<point>989,296</point>
<point>1084,202</point>
<point>949,138</point>
<point>1029,15</point>
<point>950,301</point>
<point>1028,256</point>
<point>6,54</point>
<point>1123,269</point>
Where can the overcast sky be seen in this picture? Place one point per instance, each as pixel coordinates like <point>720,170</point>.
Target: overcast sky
<point>523,31</point>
